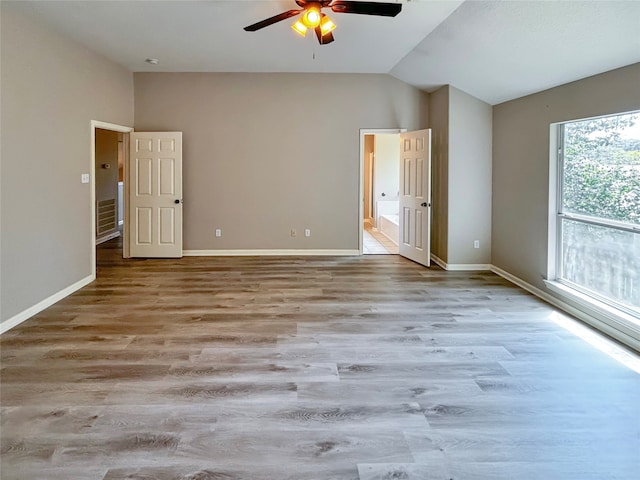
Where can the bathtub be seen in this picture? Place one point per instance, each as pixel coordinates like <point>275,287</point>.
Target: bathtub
<point>388,226</point>
<point>387,218</point>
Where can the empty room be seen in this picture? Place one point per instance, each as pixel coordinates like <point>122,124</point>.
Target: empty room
<point>319,240</point>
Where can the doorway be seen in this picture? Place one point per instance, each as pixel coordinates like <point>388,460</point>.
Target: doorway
<point>379,187</point>
<point>108,172</point>
<point>109,182</point>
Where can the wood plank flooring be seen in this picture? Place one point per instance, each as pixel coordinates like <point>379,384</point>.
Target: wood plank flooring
<point>308,368</point>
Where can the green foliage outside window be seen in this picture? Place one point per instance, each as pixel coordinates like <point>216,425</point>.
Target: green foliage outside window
<point>601,179</point>
<point>602,169</point>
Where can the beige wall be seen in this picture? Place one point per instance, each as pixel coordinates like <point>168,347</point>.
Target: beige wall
<point>265,153</point>
<point>461,177</point>
<point>469,210</point>
<point>521,162</point>
<point>387,167</point>
<point>439,124</point>
<point>51,90</point>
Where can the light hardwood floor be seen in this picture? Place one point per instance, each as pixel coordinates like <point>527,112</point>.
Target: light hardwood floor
<point>301,368</point>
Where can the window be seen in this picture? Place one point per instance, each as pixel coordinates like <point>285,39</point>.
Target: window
<point>597,218</point>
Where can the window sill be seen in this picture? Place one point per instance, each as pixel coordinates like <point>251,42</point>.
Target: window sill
<point>613,317</point>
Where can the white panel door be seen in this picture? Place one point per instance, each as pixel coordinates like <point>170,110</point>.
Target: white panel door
<point>415,196</point>
<point>155,194</point>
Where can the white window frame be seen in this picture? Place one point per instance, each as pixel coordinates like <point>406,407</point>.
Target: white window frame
<point>605,314</point>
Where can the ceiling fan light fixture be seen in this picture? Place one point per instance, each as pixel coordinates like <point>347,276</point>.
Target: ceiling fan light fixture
<point>311,17</point>
<point>300,28</point>
<point>326,25</point>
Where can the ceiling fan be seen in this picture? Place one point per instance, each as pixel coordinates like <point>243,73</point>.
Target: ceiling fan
<point>312,16</point>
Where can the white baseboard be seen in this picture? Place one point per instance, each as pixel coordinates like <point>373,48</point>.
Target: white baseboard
<point>469,267</point>
<point>438,261</point>
<point>261,252</point>
<point>587,318</point>
<point>47,302</point>
<point>528,287</point>
<point>106,238</point>
<point>461,267</point>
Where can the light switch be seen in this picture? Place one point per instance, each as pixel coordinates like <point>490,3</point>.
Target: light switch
<point>84,178</point>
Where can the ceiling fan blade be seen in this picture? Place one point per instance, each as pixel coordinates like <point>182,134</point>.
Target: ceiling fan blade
<point>323,39</point>
<point>367,8</point>
<point>272,20</point>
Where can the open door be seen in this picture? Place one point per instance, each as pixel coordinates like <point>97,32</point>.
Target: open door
<point>415,196</point>
<point>155,195</point>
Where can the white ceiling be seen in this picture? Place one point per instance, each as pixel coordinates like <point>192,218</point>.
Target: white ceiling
<point>494,50</point>
<point>502,50</point>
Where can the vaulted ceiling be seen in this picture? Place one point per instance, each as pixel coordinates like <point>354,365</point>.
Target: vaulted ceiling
<point>494,50</point>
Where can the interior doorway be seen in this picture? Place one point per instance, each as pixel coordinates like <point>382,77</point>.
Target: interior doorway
<point>109,182</point>
<point>379,209</point>
<point>108,172</point>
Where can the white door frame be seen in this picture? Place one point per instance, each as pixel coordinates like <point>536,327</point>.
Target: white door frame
<point>92,172</point>
<point>363,132</point>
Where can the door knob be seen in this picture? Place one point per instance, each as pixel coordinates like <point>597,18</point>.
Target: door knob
<point>176,201</point>
<point>424,204</point>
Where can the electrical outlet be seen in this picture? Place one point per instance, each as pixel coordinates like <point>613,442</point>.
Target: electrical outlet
<point>476,244</point>
<point>307,232</point>
<point>218,232</point>
<point>293,232</point>
<point>84,178</point>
